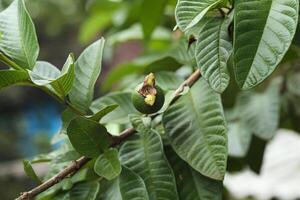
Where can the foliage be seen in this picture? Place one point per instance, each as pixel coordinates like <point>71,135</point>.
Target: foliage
<point>180,152</point>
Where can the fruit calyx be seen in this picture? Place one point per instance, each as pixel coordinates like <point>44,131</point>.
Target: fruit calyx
<point>148,90</point>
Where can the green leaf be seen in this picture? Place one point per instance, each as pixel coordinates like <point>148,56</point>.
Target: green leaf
<point>141,65</point>
<point>213,48</point>
<point>143,154</point>
<point>127,187</point>
<point>195,123</point>
<point>88,137</point>
<point>61,196</point>
<point>239,138</point>
<point>151,14</point>
<point>102,112</point>
<point>171,60</point>
<point>190,183</point>
<point>18,37</point>
<point>87,70</point>
<point>46,74</point>
<point>183,54</point>
<point>120,114</point>
<point>67,156</point>
<point>67,183</point>
<point>168,80</point>
<point>261,37</point>
<point>12,77</point>
<point>85,190</point>
<point>108,165</point>
<point>30,171</point>
<point>189,12</point>
<point>64,82</point>
<point>66,117</point>
<point>40,158</point>
<point>260,111</point>
<point>43,73</point>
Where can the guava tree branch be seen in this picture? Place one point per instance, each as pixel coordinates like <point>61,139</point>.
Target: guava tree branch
<point>78,164</point>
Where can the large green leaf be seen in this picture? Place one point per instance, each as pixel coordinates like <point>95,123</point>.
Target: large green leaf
<point>11,77</point>
<point>88,137</point>
<point>213,48</point>
<point>189,12</point>
<point>144,155</point>
<point>17,35</point>
<point>260,111</point>
<point>196,128</point>
<point>128,186</point>
<point>190,183</point>
<point>108,165</point>
<point>151,14</point>
<point>85,190</point>
<point>120,114</point>
<point>87,70</point>
<point>261,37</point>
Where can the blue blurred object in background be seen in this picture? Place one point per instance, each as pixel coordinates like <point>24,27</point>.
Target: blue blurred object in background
<point>41,121</point>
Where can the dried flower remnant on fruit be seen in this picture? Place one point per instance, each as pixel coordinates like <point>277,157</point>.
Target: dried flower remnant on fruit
<point>148,90</point>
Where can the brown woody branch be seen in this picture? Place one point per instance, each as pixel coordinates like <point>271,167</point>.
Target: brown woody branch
<point>78,164</point>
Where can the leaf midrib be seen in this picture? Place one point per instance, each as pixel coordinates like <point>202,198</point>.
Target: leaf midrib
<point>98,147</point>
<point>110,163</point>
<point>193,106</point>
<point>146,154</point>
<point>21,32</point>
<point>256,51</point>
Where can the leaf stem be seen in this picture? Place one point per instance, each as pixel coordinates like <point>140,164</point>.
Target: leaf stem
<point>63,101</point>
<point>9,62</point>
<point>74,109</point>
<point>78,164</point>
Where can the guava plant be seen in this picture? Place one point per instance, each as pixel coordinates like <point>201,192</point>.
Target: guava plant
<point>167,130</point>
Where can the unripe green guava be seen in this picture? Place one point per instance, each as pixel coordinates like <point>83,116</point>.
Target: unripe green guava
<point>139,103</point>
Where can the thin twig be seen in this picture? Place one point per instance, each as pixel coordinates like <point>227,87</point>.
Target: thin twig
<point>75,166</point>
<point>78,164</point>
<point>188,82</point>
<point>71,169</point>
